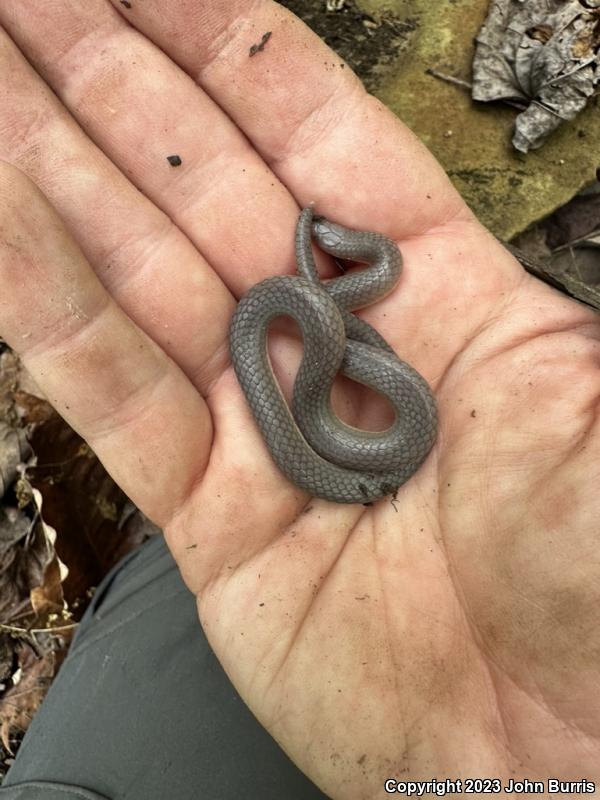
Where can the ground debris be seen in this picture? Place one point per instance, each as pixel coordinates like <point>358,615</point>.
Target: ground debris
<point>366,41</point>
<point>58,506</point>
<point>564,248</point>
<point>543,54</point>
<point>22,699</point>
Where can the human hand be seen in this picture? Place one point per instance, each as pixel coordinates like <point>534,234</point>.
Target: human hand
<point>451,633</point>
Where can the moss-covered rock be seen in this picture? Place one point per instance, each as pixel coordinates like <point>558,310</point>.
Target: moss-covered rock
<point>507,190</point>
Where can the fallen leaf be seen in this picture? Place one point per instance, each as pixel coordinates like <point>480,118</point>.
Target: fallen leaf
<point>542,53</point>
<point>576,220</point>
<point>564,248</point>
<point>20,702</point>
<point>14,527</point>
<point>27,558</point>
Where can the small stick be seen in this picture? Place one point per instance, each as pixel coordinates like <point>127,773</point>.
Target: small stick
<point>449,79</point>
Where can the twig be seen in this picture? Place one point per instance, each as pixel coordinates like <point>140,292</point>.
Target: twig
<point>32,631</point>
<point>580,240</point>
<point>449,79</point>
<point>568,284</point>
<point>466,85</point>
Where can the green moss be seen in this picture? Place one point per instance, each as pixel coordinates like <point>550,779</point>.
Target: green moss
<point>507,190</point>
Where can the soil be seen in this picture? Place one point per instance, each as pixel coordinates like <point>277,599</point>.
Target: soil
<point>365,43</point>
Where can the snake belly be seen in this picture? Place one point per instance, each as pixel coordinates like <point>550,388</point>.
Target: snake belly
<point>316,450</point>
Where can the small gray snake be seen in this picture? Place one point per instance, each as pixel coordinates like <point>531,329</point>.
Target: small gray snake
<point>310,444</point>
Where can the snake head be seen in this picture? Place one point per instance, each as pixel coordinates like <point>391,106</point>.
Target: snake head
<point>327,234</point>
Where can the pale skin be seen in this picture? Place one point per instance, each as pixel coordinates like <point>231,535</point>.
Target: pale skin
<point>453,632</point>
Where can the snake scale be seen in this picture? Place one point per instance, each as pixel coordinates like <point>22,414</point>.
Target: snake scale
<point>309,443</point>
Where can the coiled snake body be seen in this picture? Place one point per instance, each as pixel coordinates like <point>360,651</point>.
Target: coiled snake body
<point>310,444</point>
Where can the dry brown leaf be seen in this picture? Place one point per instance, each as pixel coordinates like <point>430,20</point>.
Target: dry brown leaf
<point>6,659</point>
<point>543,53</point>
<point>48,598</point>
<point>26,557</point>
<point>14,527</point>
<point>20,702</point>
<point>82,502</point>
<point>14,448</point>
<point>9,378</point>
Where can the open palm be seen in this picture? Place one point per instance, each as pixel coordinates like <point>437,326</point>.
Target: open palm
<point>450,633</point>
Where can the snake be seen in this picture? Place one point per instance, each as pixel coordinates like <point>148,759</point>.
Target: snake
<point>316,450</point>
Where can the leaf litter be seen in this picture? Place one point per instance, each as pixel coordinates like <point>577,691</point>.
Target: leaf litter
<point>58,506</point>
<point>565,247</point>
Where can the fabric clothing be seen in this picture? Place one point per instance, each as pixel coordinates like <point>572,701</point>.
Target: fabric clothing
<point>142,710</point>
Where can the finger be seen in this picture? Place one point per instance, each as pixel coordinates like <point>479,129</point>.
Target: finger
<point>148,265</point>
<point>305,112</point>
<point>141,415</point>
<point>227,201</point>
<point>139,107</point>
<point>245,214</point>
<point>329,141</point>
<point>124,110</point>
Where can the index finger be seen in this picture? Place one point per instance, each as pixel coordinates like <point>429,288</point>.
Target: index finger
<point>305,112</point>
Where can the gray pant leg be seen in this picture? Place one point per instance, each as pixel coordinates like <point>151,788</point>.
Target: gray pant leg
<point>141,709</point>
